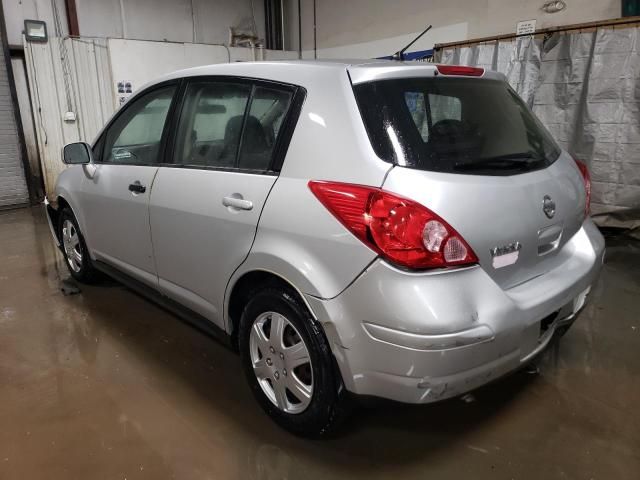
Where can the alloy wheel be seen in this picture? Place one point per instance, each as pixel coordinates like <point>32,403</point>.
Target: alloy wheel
<point>281,362</point>
<point>71,244</point>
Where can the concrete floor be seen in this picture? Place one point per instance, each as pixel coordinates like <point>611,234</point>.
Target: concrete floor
<point>106,385</point>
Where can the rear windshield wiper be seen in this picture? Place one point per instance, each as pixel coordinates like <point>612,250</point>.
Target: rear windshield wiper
<point>511,161</point>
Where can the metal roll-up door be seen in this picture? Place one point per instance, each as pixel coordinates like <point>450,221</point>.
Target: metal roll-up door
<point>13,187</point>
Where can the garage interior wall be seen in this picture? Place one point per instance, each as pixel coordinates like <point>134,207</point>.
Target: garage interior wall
<point>376,28</point>
<point>70,75</point>
<point>80,76</point>
<point>584,87</point>
<point>126,54</point>
<point>13,185</point>
<point>34,179</point>
<point>16,11</point>
<point>195,21</point>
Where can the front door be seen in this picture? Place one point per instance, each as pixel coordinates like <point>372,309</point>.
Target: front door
<point>116,196</point>
<point>205,209</point>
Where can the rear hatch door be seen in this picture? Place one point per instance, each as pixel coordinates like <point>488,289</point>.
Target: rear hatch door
<point>502,218</point>
<point>469,149</point>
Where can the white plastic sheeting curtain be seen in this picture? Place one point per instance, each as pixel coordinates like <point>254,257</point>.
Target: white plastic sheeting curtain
<point>585,87</point>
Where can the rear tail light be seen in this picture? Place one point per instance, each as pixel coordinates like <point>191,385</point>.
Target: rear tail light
<point>400,230</point>
<point>460,70</point>
<point>586,178</point>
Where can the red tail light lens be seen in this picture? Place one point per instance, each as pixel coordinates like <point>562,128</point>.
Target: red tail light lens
<point>401,230</point>
<point>586,178</point>
<point>460,70</point>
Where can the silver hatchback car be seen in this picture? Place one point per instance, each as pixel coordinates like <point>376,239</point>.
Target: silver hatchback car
<point>386,229</point>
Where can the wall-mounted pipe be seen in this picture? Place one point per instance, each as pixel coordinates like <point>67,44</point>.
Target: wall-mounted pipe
<point>72,18</point>
<point>282,24</point>
<point>274,24</point>
<point>315,36</point>
<point>123,19</point>
<point>299,31</point>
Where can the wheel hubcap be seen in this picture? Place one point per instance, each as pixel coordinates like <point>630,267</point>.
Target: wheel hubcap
<point>71,244</point>
<point>281,362</point>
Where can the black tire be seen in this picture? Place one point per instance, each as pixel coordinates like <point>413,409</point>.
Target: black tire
<point>86,272</point>
<point>329,404</point>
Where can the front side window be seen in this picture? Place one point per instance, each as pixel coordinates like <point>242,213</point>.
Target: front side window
<point>135,135</point>
<point>454,125</point>
<point>211,124</point>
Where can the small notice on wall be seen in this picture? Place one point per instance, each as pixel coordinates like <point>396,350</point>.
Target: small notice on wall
<point>124,90</point>
<point>526,27</point>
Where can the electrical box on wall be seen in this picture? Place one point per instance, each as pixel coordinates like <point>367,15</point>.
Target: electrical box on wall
<point>630,8</point>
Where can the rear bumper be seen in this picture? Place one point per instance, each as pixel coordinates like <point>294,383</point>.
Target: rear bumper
<point>419,338</point>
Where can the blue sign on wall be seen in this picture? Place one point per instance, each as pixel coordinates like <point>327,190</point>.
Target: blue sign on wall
<point>418,55</point>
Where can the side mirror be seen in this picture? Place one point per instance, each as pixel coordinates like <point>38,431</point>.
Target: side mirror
<point>76,153</point>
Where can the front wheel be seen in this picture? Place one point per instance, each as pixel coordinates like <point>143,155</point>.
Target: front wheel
<point>74,248</point>
<point>289,365</point>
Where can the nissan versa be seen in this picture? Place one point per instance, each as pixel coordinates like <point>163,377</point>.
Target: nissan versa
<point>385,229</point>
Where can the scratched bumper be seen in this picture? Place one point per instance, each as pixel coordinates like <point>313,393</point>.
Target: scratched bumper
<point>419,338</point>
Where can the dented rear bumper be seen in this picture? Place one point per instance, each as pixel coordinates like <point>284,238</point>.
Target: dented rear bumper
<point>423,337</point>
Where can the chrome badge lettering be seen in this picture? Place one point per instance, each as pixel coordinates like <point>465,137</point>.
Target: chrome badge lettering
<point>548,206</point>
<point>512,247</point>
<point>505,255</point>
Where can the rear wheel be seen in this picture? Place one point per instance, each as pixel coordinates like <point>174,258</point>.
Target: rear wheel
<point>289,365</point>
<point>74,248</point>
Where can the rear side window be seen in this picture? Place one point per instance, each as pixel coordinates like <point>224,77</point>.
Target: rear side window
<point>211,124</point>
<point>269,107</point>
<point>454,125</point>
<point>231,125</point>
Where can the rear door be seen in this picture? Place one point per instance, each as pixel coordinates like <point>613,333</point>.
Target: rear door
<point>470,150</point>
<point>115,199</point>
<point>205,206</point>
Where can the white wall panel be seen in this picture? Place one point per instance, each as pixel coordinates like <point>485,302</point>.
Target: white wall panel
<point>91,71</point>
<point>79,84</point>
<point>142,61</point>
<point>45,77</point>
<point>194,21</point>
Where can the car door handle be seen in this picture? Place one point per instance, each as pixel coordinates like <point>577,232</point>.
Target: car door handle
<point>237,202</point>
<point>137,187</point>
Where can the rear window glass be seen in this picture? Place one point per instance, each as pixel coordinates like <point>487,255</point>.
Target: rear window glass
<point>454,125</point>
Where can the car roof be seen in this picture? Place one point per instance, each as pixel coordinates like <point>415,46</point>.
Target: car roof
<point>301,72</point>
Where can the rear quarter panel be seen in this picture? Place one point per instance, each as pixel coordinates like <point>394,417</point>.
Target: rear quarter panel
<point>297,238</point>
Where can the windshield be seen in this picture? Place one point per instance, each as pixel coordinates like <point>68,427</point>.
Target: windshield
<point>455,125</point>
